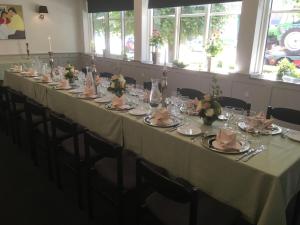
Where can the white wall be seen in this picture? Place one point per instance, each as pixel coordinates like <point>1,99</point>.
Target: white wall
<point>63,23</point>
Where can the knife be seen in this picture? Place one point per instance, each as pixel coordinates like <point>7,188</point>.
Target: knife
<point>245,154</point>
<point>253,154</point>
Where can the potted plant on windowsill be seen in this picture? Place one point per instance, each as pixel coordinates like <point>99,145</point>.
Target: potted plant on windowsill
<point>214,48</point>
<point>286,70</point>
<point>156,41</point>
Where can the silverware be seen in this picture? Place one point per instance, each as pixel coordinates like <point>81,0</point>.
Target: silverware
<point>174,128</point>
<point>259,150</point>
<point>246,154</point>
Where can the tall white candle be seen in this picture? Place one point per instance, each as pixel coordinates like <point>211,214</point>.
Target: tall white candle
<point>165,63</point>
<point>50,44</point>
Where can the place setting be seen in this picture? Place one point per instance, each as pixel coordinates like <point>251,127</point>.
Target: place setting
<point>258,124</point>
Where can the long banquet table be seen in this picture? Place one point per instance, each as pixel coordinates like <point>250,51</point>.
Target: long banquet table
<point>260,188</point>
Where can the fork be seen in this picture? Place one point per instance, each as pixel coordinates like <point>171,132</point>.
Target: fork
<point>256,152</point>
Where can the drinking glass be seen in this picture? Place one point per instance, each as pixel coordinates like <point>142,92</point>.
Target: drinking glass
<point>155,95</point>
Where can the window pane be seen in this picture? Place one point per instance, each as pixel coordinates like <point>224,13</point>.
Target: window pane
<point>164,12</point>
<point>285,4</point>
<point>232,7</point>
<point>99,31</point>
<point>191,51</point>
<point>227,27</point>
<point>283,40</point>
<point>193,9</point>
<point>166,27</point>
<point>115,32</point>
<point>129,34</point>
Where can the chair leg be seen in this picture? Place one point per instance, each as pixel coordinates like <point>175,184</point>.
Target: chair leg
<point>49,162</point>
<point>79,189</point>
<point>57,168</point>
<point>89,197</point>
<point>13,129</point>
<point>33,153</point>
<point>120,210</point>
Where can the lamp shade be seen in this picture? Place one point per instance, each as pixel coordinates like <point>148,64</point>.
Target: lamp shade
<point>43,9</point>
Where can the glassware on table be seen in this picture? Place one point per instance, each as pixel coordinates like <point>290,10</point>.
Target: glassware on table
<point>155,95</point>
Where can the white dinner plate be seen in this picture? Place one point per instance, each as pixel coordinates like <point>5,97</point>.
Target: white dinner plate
<point>63,89</point>
<point>189,130</point>
<point>294,135</point>
<point>138,112</point>
<point>105,99</point>
<point>76,91</point>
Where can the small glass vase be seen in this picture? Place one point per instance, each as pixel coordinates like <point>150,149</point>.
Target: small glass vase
<point>208,121</point>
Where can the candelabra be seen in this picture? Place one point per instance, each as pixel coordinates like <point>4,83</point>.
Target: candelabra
<point>27,50</point>
<point>94,72</point>
<point>51,62</point>
<point>164,87</point>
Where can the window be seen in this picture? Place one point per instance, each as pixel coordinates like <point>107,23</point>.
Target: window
<point>114,33</point>
<point>283,37</point>
<point>187,30</point>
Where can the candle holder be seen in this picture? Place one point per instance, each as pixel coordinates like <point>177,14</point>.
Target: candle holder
<point>94,71</point>
<point>164,87</point>
<point>27,51</point>
<point>51,62</point>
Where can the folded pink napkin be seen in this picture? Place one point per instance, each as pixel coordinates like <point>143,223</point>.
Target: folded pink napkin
<point>89,91</point>
<point>259,120</point>
<point>226,139</point>
<point>64,83</point>
<point>161,117</point>
<point>46,78</point>
<point>117,102</point>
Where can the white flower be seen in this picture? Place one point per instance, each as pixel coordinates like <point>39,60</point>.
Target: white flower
<point>210,112</point>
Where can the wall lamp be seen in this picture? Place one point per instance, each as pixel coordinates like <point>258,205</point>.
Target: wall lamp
<point>42,10</point>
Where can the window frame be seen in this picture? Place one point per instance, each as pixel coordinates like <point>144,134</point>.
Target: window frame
<point>106,52</point>
<point>208,13</point>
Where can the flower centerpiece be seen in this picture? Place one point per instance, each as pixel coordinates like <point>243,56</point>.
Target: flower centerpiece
<point>156,41</point>
<point>70,73</point>
<point>209,108</point>
<point>214,48</point>
<point>117,85</point>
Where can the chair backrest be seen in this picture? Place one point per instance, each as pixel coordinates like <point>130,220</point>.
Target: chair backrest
<point>70,129</point>
<point>130,80</point>
<point>32,108</point>
<point>106,74</point>
<point>235,103</point>
<point>284,114</point>
<point>158,180</point>
<point>3,95</point>
<point>103,149</point>
<point>15,98</point>
<point>191,93</point>
<point>100,146</point>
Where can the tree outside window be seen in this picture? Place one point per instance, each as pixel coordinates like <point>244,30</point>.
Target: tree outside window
<point>114,33</point>
<point>283,39</point>
<point>187,30</point>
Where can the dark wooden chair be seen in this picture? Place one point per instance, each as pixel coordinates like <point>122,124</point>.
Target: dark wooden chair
<point>191,93</point>
<point>36,114</point>
<point>130,80</point>
<point>174,201</point>
<point>284,114</point>
<point>106,74</point>
<point>235,103</point>
<point>68,149</point>
<point>16,109</point>
<point>4,109</point>
<point>111,172</point>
